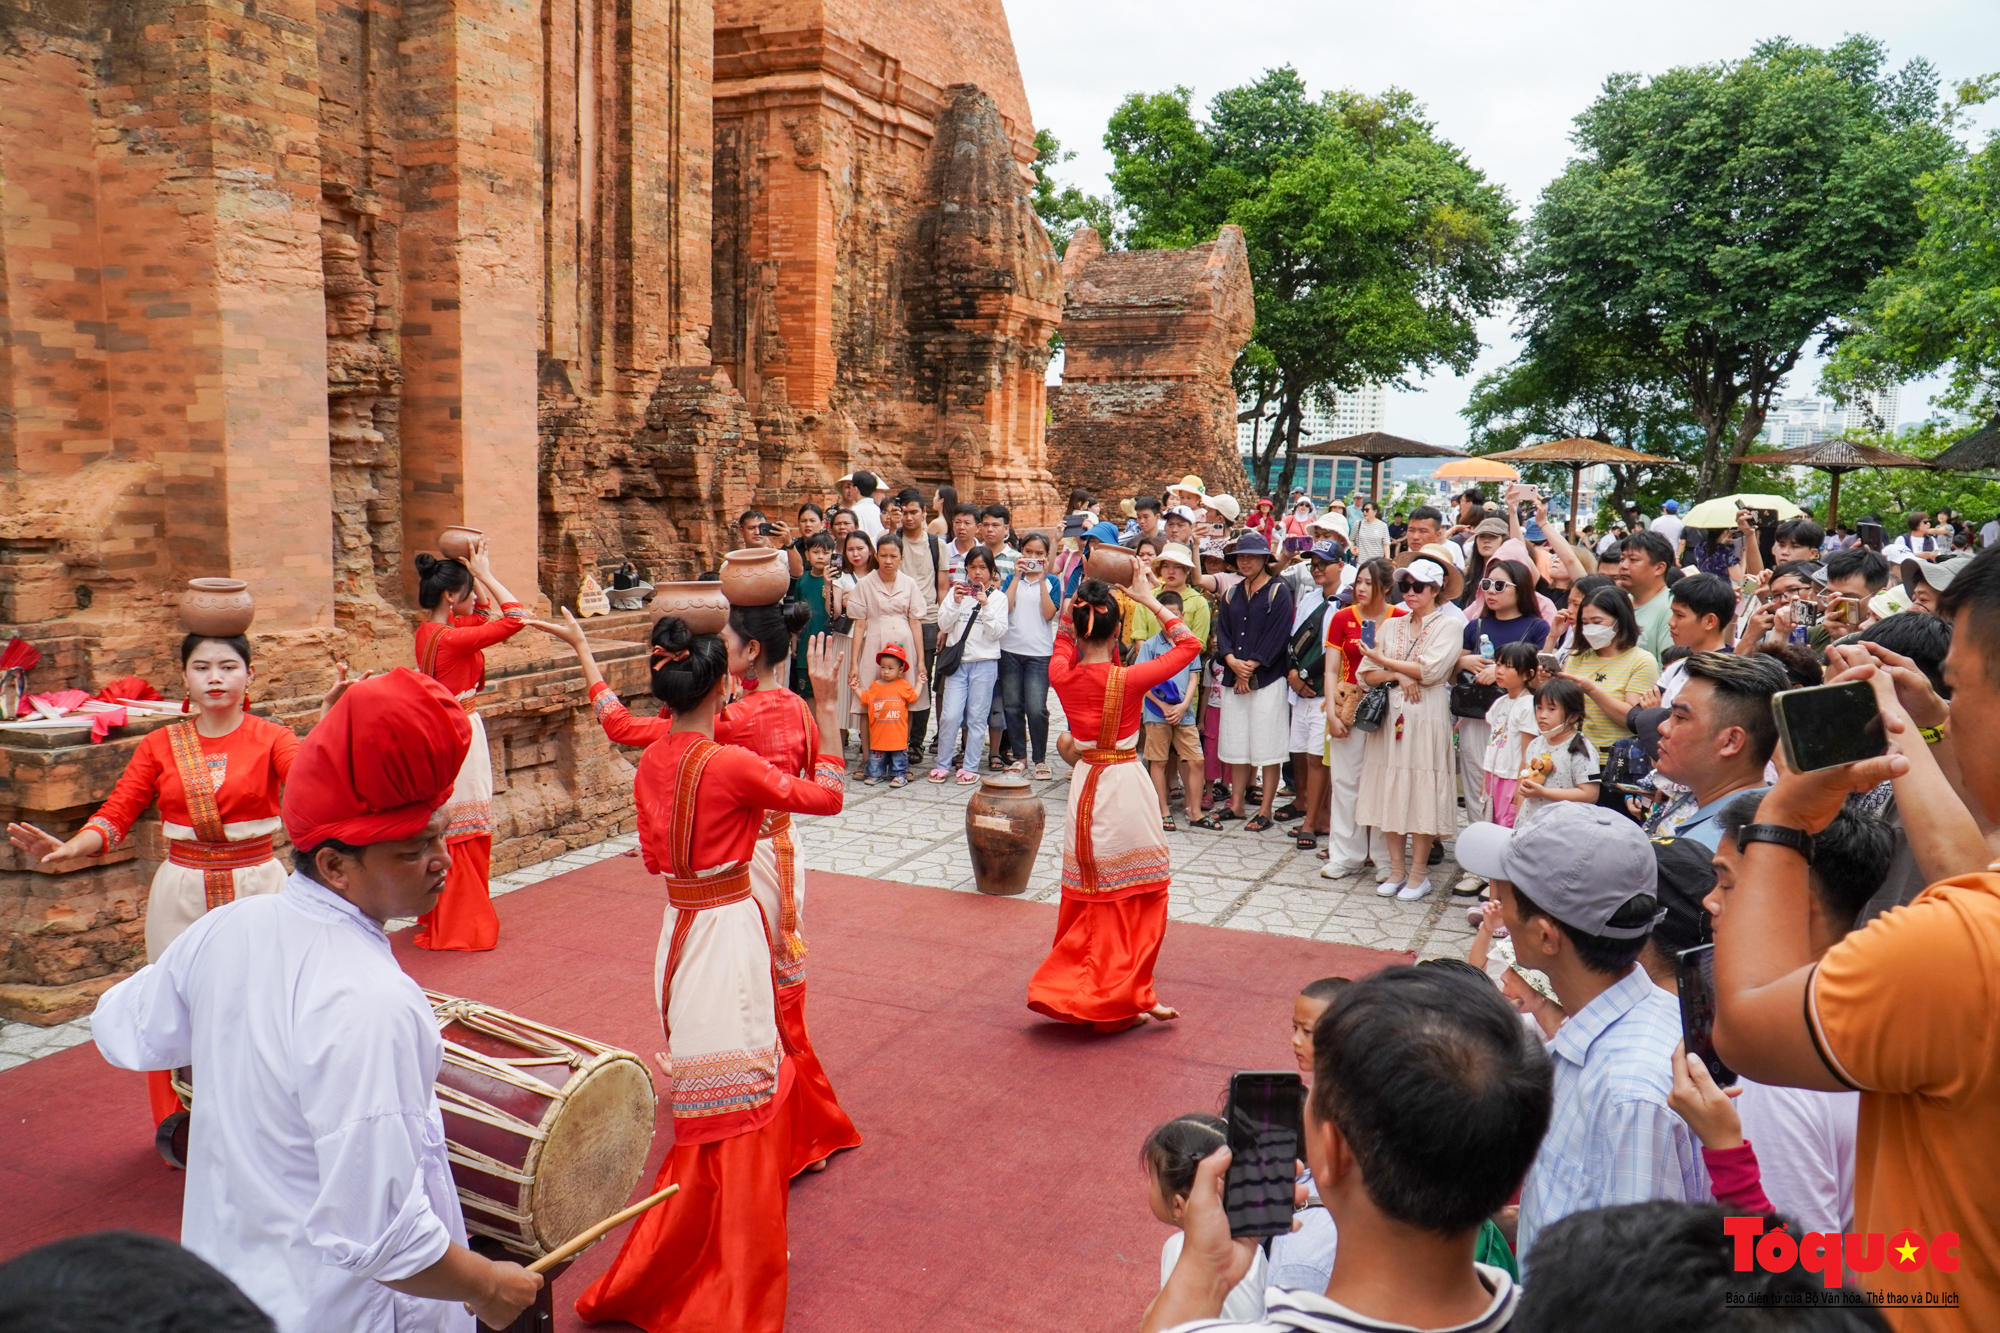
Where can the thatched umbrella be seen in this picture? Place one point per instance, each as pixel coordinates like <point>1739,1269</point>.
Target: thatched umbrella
<point>1832,457</point>
<point>1577,453</point>
<point>1977,452</point>
<point>1378,447</point>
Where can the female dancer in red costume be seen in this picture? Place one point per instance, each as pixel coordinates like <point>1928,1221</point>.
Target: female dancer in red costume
<point>451,648</point>
<point>1115,870</point>
<point>777,724</point>
<point>715,1260</point>
<point>218,778</point>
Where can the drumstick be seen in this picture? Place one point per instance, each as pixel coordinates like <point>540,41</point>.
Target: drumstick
<point>585,1239</point>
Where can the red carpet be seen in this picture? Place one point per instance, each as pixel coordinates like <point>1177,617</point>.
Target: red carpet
<point>999,1187</point>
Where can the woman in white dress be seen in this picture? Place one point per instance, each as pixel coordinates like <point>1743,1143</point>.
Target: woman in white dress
<point>1408,785</point>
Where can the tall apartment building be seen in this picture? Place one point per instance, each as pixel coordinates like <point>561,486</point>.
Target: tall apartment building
<point>1792,422</point>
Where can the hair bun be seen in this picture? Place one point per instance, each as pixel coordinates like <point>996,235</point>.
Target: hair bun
<point>426,562</point>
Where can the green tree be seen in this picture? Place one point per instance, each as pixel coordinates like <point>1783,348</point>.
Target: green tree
<point>1719,218</point>
<point>1941,307</point>
<point>1064,210</point>
<point>1374,246</point>
<point>1593,392</point>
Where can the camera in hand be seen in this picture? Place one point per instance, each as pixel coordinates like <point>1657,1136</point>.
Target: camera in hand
<point>1829,725</point>
<point>1266,1118</point>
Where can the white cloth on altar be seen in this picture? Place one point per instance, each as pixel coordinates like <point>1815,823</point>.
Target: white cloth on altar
<point>316,1153</point>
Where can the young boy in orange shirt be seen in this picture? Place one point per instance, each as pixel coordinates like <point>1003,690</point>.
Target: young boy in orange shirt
<point>888,699</point>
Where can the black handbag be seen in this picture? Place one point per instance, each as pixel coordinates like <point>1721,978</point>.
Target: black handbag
<point>1471,699</point>
<point>1373,710</point>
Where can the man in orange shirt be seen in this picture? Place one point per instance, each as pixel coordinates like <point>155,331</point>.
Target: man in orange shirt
<point>888,699</point>
<point>1903,1009</point>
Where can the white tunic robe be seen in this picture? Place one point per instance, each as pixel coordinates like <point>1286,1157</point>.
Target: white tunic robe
<point>316,1154</point>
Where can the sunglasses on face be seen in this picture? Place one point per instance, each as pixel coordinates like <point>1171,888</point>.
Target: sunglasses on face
<point>1494,585</point>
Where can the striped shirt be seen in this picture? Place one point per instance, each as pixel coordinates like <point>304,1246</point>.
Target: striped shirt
<point>1311,1312</point>
<point>1612,1137</point>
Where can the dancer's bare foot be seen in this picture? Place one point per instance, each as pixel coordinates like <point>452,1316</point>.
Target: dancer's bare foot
<point>820,1165</point>
<point>1163,1012</point>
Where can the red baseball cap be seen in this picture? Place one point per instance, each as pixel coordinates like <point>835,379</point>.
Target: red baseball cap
<point>895,650</point>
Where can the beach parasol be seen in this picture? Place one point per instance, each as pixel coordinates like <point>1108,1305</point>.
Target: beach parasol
<point>1977,452</point>
<point>1378,447</point>
<point>1577,453</point>
<point>1832,457</point>
<point>1720,512</point>
<point>1475,469</point>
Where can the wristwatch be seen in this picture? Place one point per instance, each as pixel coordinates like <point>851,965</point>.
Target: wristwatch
<point>1798,840</point>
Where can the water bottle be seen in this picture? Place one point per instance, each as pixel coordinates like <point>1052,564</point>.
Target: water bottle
<point>1486,646</point>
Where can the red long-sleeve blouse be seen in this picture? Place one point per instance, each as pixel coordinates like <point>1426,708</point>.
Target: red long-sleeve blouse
<point>1081,687</point>
<point>248,766</point>
<point>737,787</point>
<point>773,723</point>
<point>460,663</point>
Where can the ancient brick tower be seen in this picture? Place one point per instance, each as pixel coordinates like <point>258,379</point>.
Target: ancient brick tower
<point>286,287</point>
<point>1149,337</point>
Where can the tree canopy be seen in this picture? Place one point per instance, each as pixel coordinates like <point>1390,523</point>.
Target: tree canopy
<point>1719,218</point>
<point>1064,210</point>
<point>1374,246</point>
<point>1941,306</point>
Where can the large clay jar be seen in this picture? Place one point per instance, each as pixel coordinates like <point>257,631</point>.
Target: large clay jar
<point>456,543</point>
<point>1003,828</point>
<point>756,576</point>
<point>701,605</point>
<point>222,608</point>
<point>1113,564</point>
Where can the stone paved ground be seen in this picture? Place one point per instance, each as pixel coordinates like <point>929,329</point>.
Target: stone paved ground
<point>916,835</point>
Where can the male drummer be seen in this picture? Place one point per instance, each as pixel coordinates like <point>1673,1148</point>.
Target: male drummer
<point>317,1177</point>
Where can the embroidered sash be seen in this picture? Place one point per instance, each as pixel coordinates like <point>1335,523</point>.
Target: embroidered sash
<point>1096,760</point>
<point>218,883</point>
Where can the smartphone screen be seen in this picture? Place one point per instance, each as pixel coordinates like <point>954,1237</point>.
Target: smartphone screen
<point>1696,970</point>
<point>1828,725</point>
<point>1266,1139</point>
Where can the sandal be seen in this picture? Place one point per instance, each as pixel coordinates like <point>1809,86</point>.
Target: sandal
<point>1226,812</point>
<point>1325,853</point>
<point>1167,825</point>
<point>1209,822</point>
<point>1307,842</point>
<point>1290,810</point>
<point>1043,773</point>
<point>1257,824</point>
<point>966,777</point>
<point>940,775</point>
<point>1018,766</point>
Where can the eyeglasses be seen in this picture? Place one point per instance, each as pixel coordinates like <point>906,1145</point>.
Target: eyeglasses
<point>1494,585</point>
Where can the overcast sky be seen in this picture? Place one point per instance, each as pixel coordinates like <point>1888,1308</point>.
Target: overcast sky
<point>1502,80</point>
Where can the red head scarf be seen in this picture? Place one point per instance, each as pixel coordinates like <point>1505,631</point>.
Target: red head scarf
<point>379,764</point>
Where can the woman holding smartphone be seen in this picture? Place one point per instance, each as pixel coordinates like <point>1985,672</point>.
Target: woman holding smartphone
<point>1024,656</point>
<point>1348,631</point>
<point>854,556</point>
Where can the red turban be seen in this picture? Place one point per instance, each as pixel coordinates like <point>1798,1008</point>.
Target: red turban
<point>379,764</point>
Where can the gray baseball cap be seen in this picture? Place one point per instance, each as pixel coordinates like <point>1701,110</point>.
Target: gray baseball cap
<point>1580,863</point>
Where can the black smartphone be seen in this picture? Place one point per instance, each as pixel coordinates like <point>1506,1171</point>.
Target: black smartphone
<point>1266,1118</point>
<point>1828,725</point>
<point>766,529</point>
<point>1695,969</point>
<point>1870,535</point>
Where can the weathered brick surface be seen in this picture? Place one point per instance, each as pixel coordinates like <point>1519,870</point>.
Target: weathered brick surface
<point>286,286</point>
<point>1149,337</point>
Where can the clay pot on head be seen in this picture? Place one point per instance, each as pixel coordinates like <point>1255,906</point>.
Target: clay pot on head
<point>1114,564</point>
<point>1003,828</point>
<point>755,576</point>
<point>219,608</point>
<point>701,605</point>
<point>456,543</point>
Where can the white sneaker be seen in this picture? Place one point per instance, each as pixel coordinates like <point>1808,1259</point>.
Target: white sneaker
<point>1387,888</point>
<point>1409,893</point>
<point>1332,871</point>
<point>1381,874</point>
